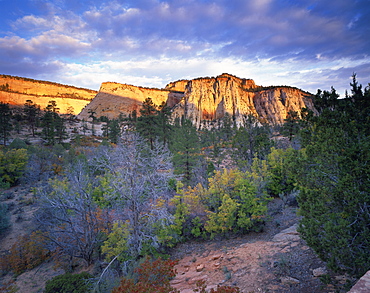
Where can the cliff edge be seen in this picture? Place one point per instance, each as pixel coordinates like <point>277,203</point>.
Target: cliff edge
<point>208,98</point>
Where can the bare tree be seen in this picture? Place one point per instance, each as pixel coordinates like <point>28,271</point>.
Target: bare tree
<point>129,182</point>
<point>140,179</point>
<point>69,217</point>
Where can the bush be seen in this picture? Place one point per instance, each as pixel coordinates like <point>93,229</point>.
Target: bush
<point>26,253</point>
<point>4,217</point>
<point>13,164</point>
<point>152,276</point>
<point>68,283</point>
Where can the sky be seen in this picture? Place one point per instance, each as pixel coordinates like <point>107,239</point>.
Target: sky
<point>309,44</point>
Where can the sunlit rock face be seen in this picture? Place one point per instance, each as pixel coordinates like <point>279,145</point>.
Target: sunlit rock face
<point>212,98</point>
<point>115,99</point>
<point>203,99</point>
<point>16,91</point>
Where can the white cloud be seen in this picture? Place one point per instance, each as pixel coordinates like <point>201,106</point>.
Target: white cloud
<point>158,72</point>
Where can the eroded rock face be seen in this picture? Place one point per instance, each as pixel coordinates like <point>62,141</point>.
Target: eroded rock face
<point>203,99</point>
<point>211,98</point>
<point>116,99</point>
<point>16,91</point>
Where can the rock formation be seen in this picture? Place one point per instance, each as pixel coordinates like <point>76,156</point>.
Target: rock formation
<point>17,90</point>
<point>116,99</point>
<point>202,99</point>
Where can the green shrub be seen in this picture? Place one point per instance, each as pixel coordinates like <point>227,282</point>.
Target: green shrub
<point>68,283</point>
<point>13,164</point>
<point>4,217</point>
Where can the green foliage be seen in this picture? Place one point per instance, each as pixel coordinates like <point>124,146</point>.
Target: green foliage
<point>69,283</point>
<point>230,204</point>
<point>116,243</point>
<point>4,217</point>
<point>12,164</point>
<point>5,121</point>
<point>250,141</point>
<point>186,149</point>
<point>31,113</point>
<point>53,125</point>
<point>333,177</point>
<point>112,130</point>
<point>148,123</point>
<point>291,125</point>
<point>280,179</point>
<point>233,202</point>
<point>18,143</point>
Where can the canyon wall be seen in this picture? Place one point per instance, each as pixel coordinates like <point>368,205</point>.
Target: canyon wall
<point>211,98</point>
<point>16,91</point>
<point>199,99</point>
<point>115,99</point>
<point>202,99</point>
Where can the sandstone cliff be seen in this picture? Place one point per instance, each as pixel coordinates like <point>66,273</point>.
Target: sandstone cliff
<point>116,99</point>
<point>204,99</point>
<point>211,98</point>
<point>16,91</point>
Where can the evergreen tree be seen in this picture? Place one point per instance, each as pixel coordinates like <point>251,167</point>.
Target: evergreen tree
<point>291,125</point>
<point>93,117</point>
<point>60,129</point>
<point>186,149</point>
<point>165,128</point>
<point>114,131</point>
<point>148,124</point>
<point>5,124</point>
<point>53,125</point>
<point>31,112</point>
<point>250,141</point>
<point>334,180</point>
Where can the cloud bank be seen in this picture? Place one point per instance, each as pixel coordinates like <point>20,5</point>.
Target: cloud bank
<point>308,44</point>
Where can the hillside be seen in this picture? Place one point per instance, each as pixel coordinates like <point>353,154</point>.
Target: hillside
<point>17,90</point>
<point>202,99</point>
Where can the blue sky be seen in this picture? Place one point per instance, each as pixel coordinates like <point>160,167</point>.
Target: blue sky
<point>307,44</point>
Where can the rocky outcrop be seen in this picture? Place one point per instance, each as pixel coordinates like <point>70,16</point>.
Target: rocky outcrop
<point>17,90</point>
<point>202,99</point>
<point>212,98</point>
<point>199,99</point>
<point>115,99</point>
<point>363,285</point>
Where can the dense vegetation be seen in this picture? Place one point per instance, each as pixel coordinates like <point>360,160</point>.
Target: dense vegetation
<point>144,184</point>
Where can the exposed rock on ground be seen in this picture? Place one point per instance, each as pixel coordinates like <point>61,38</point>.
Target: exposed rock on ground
<point>276,260</point>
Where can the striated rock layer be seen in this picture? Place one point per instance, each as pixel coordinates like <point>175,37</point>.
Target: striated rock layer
<point>212,98</point>
<point>17,90</point>
<point>115,99</point>
<point>204,99</point>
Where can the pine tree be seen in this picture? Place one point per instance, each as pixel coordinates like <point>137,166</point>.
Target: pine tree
<point>93,117</point>
<point>114,131</point>
<point>291,125</point>
<point>334,180</point>
<point>186,149</point>
<point>5,124</point>
<point>250,141</point>
<point>31,112</point>
<point>53,124</point>
<point>148,124</point>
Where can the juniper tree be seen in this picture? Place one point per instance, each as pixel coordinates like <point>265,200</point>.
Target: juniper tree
<point>185,147</point>
<point>31,112</point>
<point>5,121</point>
<point>334,181</point>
